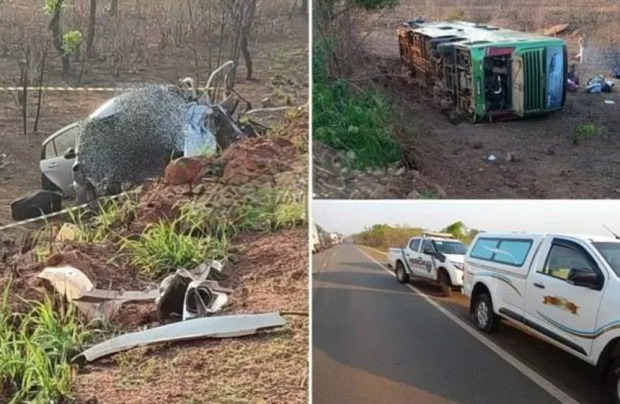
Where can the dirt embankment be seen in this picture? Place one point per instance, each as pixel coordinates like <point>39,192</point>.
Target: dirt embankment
<point>567,154</point>
<point>267,271</point>
<point>155,46</point>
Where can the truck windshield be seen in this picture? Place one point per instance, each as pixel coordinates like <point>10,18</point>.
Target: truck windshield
<point>611,252</point>
<point>451,247</point>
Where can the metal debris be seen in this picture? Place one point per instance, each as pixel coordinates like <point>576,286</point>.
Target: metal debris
<point>203,298</point>
<point>93,303</point>
<point>187,295</point>
<point>72,283</point>
<point>67,280</point>
<point>206,327</point>
<point>103,295</point>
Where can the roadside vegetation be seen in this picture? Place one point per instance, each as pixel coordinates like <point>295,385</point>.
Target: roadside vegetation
<point>586,131</point>
<point>38,337</point>
<point>35,349</point>
<point>348,117</point>
<point>383,236</point>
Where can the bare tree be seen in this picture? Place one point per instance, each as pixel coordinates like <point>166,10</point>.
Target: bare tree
<point>242,12</point>
<point>90,38</point>
<point>40,91</point>
<point>25,81</point>
<point>249,13</point>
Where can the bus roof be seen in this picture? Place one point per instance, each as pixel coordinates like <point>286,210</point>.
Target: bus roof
<point>479,35</point>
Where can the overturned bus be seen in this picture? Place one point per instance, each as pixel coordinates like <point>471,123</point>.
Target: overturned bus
<point>485,72</point>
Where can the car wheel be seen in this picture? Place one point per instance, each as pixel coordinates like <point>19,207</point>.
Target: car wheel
<point>486,320</point>
<point>444,284</point>
<point>613,381</point>
<point>401,275</point>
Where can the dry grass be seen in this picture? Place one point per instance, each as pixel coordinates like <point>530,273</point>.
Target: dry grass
<point>270,368</point>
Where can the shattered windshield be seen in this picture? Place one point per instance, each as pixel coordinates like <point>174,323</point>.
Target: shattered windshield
<point>451,247</point>
<point>610,250</point>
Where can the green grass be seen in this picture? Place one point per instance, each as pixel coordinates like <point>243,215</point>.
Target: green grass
<point>35,349</point>
<point>165,246</point>
<point>430,194</point>
<point>350,120</point>
<point>201,220</point>
<point>273,210</point>
<point>112,214</point>
<point>270,210</point>
<point>585,131</point>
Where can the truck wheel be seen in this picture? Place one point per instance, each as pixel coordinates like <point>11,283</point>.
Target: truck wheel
<point>486,320</point>
<point>401,275</point>
<point>444,284</point>
<point>613,381</point>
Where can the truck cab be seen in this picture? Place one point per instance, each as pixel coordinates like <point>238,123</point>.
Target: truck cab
<point>435,257</point>
<point>564,288</point>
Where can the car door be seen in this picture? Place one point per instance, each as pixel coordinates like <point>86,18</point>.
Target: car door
<point>428,264</point>
<point>411,255</point>
<point>56,163</point>
<point>556,305</point>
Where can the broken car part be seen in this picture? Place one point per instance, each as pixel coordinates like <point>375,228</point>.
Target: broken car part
<point>186,294</point>
<point>93,303</point>
<point>72,283</point>
<point>206,327</point>
<point>202,299</point>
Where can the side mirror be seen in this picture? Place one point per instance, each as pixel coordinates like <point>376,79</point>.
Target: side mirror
<point>428,251</point>
<point>70,153</point>
<point>583,278</point>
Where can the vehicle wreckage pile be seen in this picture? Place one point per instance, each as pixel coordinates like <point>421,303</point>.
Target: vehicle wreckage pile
<point>226,260</point>
<point>133,145</point>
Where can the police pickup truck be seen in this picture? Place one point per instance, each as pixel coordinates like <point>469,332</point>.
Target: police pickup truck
<point>434,257</point>
<point>564,288</point>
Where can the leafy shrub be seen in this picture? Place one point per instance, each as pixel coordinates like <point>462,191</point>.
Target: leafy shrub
<point>352,122</point>
<point>586,131</point>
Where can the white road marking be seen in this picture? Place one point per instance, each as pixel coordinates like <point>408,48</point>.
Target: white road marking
<point>531,374</point>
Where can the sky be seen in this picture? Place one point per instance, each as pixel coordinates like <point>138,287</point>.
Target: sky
<point>564,216</point>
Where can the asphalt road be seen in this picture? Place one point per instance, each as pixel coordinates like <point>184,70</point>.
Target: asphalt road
<point>378,341</point>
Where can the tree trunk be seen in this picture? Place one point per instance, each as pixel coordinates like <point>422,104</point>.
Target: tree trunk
<point>54,27</point>
<point>90,39</point>
<point>25,67</point>
<point>113,8</point>
<point>247,57</point>
<point>40,95</point>
<point>246,30</point>
<point>304,7</point>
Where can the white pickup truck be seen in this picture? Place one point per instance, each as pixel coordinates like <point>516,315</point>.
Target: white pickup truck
<point>564,288</point>
<point>316,240</point>
<point>434,257</point>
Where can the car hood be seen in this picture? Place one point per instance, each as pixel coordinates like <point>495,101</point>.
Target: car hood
<point>459,259</point>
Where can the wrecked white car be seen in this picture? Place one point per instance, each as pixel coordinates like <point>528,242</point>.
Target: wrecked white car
<point>132,137</point>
